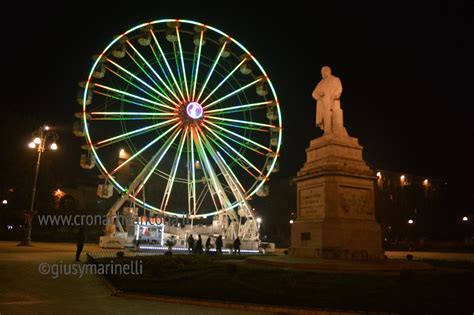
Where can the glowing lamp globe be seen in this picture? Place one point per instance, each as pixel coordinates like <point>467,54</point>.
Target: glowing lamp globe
<point>194,110</point>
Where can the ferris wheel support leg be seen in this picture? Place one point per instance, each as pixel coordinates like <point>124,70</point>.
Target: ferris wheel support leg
<point>112,221</point>
<point>136,185</point>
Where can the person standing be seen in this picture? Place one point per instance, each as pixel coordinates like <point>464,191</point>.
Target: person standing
<point>190,243</point>
<point>80,242</point>
<point>199,245</point>
<point>208,244</point>
<point>219,245</point>
<point>237,245</point>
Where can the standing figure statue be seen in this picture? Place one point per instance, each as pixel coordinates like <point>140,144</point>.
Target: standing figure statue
<point>327,94</point>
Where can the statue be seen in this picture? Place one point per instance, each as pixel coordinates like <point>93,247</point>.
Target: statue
<point>328,105</point>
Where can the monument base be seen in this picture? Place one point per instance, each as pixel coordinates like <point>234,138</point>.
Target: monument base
<point>335,203</point>
<point>336,239</point>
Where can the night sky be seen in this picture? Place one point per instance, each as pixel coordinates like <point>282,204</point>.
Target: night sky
<point>406,72</point>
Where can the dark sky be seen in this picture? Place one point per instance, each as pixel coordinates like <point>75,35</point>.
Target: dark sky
<point>406,70</point>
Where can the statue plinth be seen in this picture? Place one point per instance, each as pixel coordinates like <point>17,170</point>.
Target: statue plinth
<point>335,203</point>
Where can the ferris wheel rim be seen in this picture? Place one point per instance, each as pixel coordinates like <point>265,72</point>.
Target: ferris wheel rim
<point>122,189</point>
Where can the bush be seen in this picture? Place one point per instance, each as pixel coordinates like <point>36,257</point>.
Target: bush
<point>120,254</point>
<point>409,257</point>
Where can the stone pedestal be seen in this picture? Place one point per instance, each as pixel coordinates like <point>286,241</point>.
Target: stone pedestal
<point>335,203</point>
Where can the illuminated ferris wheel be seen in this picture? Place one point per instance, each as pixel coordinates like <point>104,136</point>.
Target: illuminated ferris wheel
<point>195,117</point>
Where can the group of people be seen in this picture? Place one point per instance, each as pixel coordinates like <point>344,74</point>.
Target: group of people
<point>196,246</point>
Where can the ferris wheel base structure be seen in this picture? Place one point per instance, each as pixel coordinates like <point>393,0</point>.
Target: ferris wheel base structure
<point>198,125</point>
<point>146,235</point>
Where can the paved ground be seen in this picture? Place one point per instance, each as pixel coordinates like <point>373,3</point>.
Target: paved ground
<point>24,290</point>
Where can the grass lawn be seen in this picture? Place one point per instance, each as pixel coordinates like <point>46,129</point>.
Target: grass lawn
<point>449,289</point>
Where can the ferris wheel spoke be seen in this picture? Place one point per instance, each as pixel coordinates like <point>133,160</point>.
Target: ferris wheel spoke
<point>209,74</point>
<point>237,161</point>
<point>234,150</point>
<point>201,198</point>
<point>171,179</point>
<point>193,172</point>
<point>139,80</point>
<point>142,69</point>
<point>239,136</point>
<point>252,148</point>
<point>160,156</point>
<point>232,93</point>
<point>152,70</point>
<point>211,174</point>
<point>178,71</point>
<point>133,133</point>
<point>115,97</point>
<point>231,172</point>
<point>136,115</point>
<point>196,71</point>
<point>234,109</point>
<point>170,84</point>
<point>220,123</point>
<point>169,68</point>
<point>182,62</point>
<point>216,156</point>
<point>244,122</point>
<point>134,96</point>
<point>224,80</point>
<point>133,84</point>
<point>144,148</point>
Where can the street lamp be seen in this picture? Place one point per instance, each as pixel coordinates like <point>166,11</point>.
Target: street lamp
<point>41,137</point>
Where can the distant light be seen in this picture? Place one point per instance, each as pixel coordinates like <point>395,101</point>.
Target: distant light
<point>32,145</point>
<point>379,174</point>
<point>53,146</point>
<point>37,140</point>
<point>410,221</point>
<point>123,154</point>
<point>58,193</point>
<point>291,221</point>
<point>46,127</point>
<point>402,178</point>
<point>465,219</point>
<point>5,201</point>
<point>426,182</point>
<point>197,165</point>
<point>259,220</point>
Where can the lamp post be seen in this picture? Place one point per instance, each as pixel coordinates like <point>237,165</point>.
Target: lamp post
<point>41,137</point>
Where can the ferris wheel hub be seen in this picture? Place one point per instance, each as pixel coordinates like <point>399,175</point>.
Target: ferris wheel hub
<point>194,110</point>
